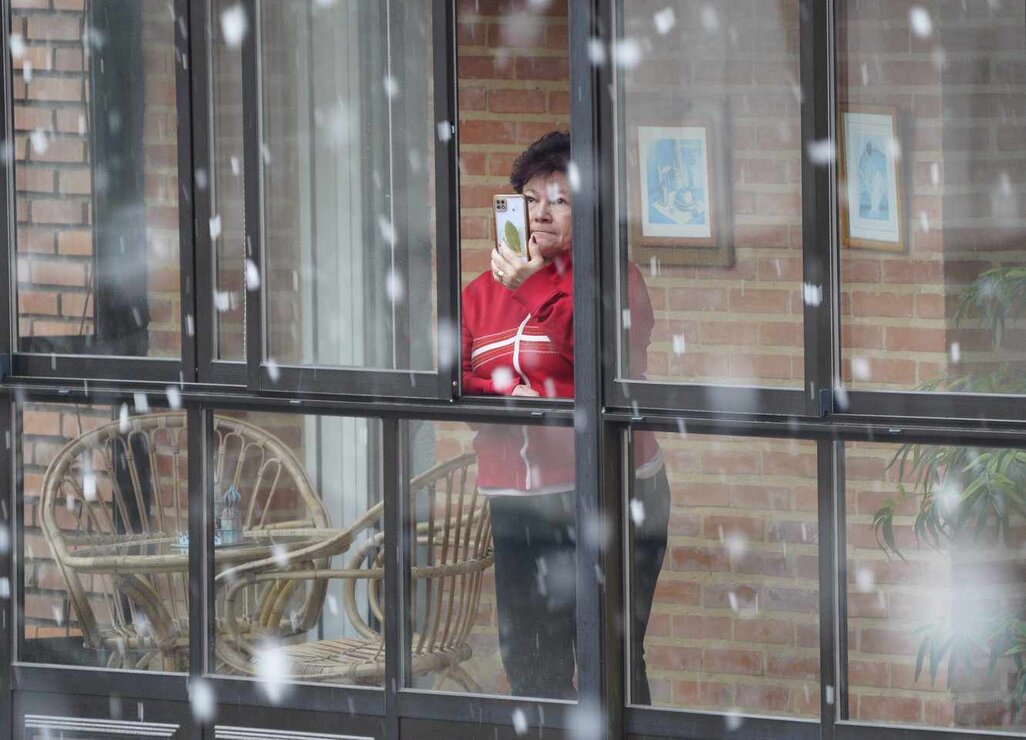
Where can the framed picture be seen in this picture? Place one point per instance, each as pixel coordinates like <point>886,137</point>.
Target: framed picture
<point>871,191</point>
<point>678,210</point>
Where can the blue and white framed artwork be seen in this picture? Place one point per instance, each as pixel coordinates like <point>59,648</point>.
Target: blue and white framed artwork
<point>675,182</point>
<point>871,188</point>
<point>678,194</point>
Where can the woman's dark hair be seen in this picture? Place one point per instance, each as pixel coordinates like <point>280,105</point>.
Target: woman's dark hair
<point>551,153</point>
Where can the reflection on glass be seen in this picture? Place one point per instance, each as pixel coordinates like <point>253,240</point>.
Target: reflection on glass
<point>348,162</point>
<point>518,331</point>
<point>95,161</point>
<point>935,585</point>
<point>227,225</point>
<point>734,624</point>
<point>106,578</point>
<point>500,606</point>
<point>299,548</point>
<point>514,79</point>
<point>710,192</point>
<point>934,205</point>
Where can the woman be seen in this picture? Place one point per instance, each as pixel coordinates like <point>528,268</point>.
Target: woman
<point>518,340</point>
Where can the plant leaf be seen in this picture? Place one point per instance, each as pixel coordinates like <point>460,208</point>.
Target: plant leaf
<point>512,237</point>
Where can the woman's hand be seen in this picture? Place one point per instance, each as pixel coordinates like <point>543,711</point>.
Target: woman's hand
<point>510,269</point>
<point>523,390</point>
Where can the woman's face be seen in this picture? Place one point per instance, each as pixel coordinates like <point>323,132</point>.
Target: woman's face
<point>548,205</point>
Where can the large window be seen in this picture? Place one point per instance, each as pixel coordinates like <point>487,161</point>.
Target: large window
<point>96,180</point>
<point>288,454</point>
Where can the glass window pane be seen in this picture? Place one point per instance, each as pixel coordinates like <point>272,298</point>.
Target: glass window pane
<point>105,503</point>
<point>299,548</point>
<point>936,590</point>
<point>227,227</point>
<point>494,580</point>
<point>514,80</point>
<point>730,621</point>
<point>95,160</point>
<point>709,192</point>
<point>348,165</point>
<point>934,200</point>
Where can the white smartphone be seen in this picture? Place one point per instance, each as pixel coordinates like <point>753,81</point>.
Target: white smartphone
<point>511,223</point>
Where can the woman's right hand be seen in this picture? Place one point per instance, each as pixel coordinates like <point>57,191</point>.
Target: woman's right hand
<point>523,390</point>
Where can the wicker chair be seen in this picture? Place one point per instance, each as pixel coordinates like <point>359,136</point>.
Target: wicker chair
<point>453,550</point>
<point>126,480</point>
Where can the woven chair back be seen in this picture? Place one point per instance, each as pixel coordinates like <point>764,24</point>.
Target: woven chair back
<point>128,478</point>
<point>451,529</point>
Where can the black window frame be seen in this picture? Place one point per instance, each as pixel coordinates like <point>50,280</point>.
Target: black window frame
<point>605,409</point>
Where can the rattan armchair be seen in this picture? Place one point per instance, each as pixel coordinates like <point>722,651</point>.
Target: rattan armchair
<point>125,482</point>
<point>453,550</point>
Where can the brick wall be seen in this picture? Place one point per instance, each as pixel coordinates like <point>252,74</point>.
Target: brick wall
<point>735,66</point>
<point>893,602</point>
<point>54,183</point>
<point>513,86</point>
<point>734,624</point>
<point>958,103</point>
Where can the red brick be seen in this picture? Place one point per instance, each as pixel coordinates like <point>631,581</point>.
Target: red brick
<point>38,57</point>
<point>55,88</point>
<point>692,627</point>
<point>35,240</point>
<point>36,302</point>
<point>487,132</point>
<point>722,660</point>
<point>34,179</point>
<point>803,667</point>
<point>915,339</point>
<point>773,698</point>
<point>486,68</point>
<point>30,118</point>
<point>58,273</point>
<point>882,304</point>
<point>70,120</point>
<point>52,27</point>
<point>559,102</point>
<point>516,101</point>
<point>889,708</point>
<point>723,526</point>
<point>471,99</point>
<point>764,631</point>
<point>61,150</point>
<point>78,242</point>
<point>76,304</point>
<point>682,593</point>
<point>68,60</point>
<point>698,559</point>
<point>693,298</point>
<point>76,182</point>
<point>673,658</point>
<point>530,131</point>
<point>543,68</point>
<point>887,641</point>
<point>57,212</point>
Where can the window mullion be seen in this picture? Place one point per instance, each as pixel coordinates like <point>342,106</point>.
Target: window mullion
<point>819,260</point>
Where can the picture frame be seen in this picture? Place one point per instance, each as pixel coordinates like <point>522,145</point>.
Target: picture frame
<point>678,206</point>
<point>870,179</point>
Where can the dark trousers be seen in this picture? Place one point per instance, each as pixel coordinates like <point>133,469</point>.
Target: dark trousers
<point>536,586</point>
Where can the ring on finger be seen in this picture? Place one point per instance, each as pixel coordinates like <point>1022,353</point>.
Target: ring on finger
<point>500,273</point>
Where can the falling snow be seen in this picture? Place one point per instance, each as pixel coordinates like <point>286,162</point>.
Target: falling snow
<point>252,276</point>
<point>234,25</point>
<point>637,512</point>
<point>922,24</point>
<point>665,20</point>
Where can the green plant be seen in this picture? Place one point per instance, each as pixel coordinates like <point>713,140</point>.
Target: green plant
<point>968,494</point>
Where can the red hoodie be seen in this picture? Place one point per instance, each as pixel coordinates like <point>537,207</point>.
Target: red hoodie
<point>526,336</point>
